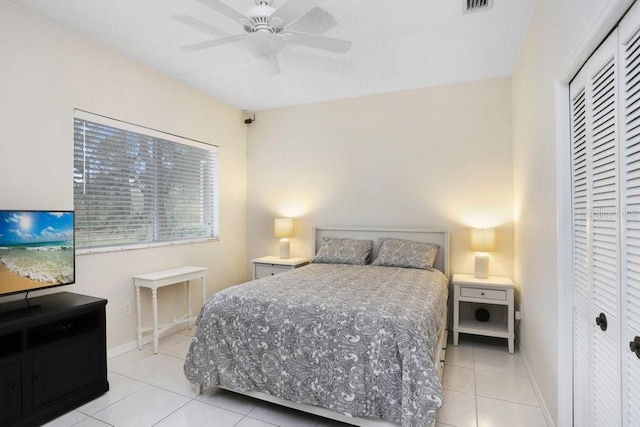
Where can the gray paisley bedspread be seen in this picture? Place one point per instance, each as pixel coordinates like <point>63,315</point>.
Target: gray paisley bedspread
<point>358,340</point>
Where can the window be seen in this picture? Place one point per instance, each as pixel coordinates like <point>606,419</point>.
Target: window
<point>135,186</point>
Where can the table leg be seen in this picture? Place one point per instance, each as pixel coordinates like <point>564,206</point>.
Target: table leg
<point>203,288</point>
<point>154,301</point>
<point>204,292</point>
<point>456,317</point>
<point>139,316</point>
<point>189,299</point>
<point>510,321</point>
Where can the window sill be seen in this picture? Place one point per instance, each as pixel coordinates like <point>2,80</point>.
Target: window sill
<point>91,251</point>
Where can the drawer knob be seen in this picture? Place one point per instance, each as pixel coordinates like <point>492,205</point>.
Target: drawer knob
<point>482,293</point>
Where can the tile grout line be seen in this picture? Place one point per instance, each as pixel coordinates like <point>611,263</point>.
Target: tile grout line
<point>171,413</point>
<point>475,379</point>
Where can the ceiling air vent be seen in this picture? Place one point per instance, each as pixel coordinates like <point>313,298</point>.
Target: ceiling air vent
<point>477,5</point>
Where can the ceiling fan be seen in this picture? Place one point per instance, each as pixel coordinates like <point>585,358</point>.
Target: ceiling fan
<point>266,30</point>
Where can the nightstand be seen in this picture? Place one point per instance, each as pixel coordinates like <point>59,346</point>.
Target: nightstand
<point>493,297</point>
<point>270,265</point>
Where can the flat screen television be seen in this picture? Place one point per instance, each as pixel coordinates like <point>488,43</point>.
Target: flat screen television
<point>37,250</point>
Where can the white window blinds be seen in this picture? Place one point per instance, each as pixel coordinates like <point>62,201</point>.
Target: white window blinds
<point>135,186</point>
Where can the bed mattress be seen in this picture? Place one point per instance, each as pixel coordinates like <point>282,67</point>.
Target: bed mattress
<point>358,340</point>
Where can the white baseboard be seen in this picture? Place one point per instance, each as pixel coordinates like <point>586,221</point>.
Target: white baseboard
<point>146,339</point>
<point>121,349</point>
<point>536,389</point>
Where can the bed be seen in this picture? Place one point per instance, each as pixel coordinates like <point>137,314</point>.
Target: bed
<point>343,338</point>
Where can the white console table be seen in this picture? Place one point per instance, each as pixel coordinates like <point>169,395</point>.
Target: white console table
<point>157,280</point>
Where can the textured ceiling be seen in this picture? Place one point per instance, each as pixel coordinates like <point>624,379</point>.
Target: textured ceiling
<point>397,45</point>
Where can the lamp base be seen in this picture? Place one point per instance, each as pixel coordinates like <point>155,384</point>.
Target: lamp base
<point>482,266</point>
<point>284,248</point>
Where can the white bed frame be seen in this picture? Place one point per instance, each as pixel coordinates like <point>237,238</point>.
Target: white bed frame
<point>429,235</point>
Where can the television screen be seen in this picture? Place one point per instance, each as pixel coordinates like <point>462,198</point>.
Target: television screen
<point>36,250</point>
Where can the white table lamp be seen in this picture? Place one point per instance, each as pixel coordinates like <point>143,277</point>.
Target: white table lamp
<point>283,228</point>
<point>483,241</point>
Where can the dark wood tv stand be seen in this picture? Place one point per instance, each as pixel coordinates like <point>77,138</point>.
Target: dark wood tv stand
<point>53,357</point>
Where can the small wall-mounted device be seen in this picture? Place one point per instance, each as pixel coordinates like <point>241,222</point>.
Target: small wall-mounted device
<point>248,117</point>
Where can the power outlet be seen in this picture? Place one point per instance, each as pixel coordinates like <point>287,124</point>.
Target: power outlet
<point>518,315</point>
<point>127,308</point>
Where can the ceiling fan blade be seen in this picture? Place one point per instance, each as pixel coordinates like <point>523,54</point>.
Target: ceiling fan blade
<point>293,9</point>
<point>270,65</point>
<point>212,43</point>
<point>318,42</point>
<point>316,21</point>
<point>224,9</point>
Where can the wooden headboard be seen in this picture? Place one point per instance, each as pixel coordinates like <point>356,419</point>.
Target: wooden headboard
<point>430,235</point>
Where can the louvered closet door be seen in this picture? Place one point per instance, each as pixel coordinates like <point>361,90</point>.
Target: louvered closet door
<point>580,175</point>
<point>596,231</point>
<point>630,209</point>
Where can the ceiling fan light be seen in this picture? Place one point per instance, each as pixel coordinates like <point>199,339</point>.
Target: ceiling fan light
<point>264,44</point>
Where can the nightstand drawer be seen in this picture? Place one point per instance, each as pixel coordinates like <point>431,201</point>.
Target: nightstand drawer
<point>264,270</point>
<point>271,265</point>
<point>483,293</point>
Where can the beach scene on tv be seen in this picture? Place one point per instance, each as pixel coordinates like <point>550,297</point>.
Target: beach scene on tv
<point>36,250</point>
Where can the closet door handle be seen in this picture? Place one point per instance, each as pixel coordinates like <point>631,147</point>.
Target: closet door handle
<point>601,321</point>
<point>634,346</point>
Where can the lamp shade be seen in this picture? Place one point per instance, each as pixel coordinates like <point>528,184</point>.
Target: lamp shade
<point>283,227</point>
<point>483,239</point>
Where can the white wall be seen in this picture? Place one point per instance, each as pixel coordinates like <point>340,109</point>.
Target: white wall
<point>434,157</point>
<point>556,34</point>
<point>46,72</point>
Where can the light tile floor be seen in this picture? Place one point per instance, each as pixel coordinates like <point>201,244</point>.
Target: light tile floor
<point>486,386</point>
<point>483,385</point>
